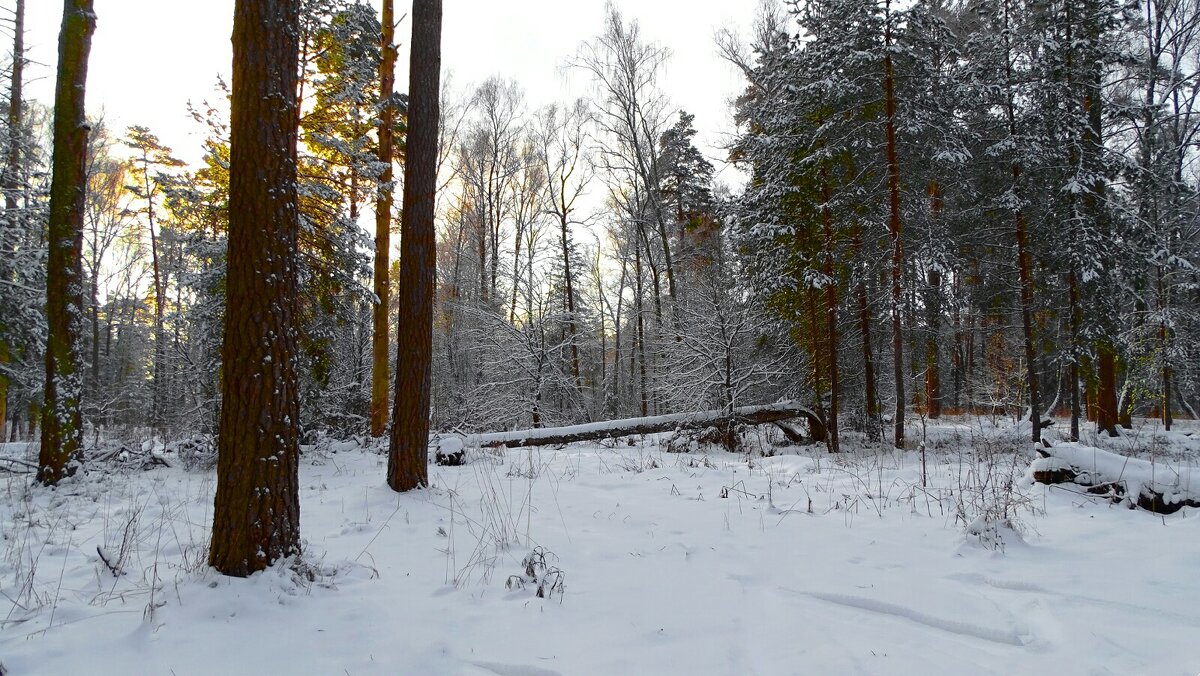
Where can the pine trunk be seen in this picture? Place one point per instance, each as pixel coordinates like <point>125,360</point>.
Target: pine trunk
<point>1074,384</point>
<point>895,226</point>
<point>62,424</point>
<point>157,376</point>
<point>1106,389</point>
<point>256,517</point>
<point>933,317</point>
<point>871,397</point>
<point>1026,280</point>
<point>831,307</point>
<point>408,453</point>
<point>380,345</point>
<point>1164,346</point>
<point>12,179</point>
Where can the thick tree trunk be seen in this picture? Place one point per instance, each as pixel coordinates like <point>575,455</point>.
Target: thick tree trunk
<point>1106,389</point>
<point>380,344</point>
<point>895,226</point>
<point>62,423</point>
<point>256,516</point>
<point>1093,147</point>
<point>408,453</point>
<point>752,415</point>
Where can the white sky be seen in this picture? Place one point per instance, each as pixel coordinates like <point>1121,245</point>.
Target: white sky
<point>149,57</point>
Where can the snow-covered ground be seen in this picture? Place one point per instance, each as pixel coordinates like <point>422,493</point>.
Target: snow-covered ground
<point>703,563</point>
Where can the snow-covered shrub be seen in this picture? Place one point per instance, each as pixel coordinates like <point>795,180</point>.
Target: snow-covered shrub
<point>546,578</point>
<point>198,454</point>
<point>990,499</point>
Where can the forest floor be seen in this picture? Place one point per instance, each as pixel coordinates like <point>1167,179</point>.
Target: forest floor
<point>648,563</point>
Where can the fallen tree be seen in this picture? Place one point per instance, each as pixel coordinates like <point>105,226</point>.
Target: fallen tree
<point>609,429</point>
<point>1154,486</point>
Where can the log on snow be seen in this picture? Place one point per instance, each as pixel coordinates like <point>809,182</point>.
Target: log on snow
<point>1155,487</point>
<point>609,429</point>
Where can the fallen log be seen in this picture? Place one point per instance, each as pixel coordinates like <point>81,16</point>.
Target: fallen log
<point>609,429</point>
<point>1154,487</point>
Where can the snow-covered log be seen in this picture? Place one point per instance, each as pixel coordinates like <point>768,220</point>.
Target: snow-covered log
<point>608,429</point>
<point>1159,487</point>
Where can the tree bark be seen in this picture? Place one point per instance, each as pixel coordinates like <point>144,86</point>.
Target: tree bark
<point>933,315</point>
<point>156,378</point>
<point>569,291</point>
<point>1106,391</point>
<point>831,308</point>
<point>380,345</point>
<point>12,177</point>
<point>1164,345</point>
<point>256,515</point>
<point>62,423</point>
<point>1026,280</point>
<point>408,457</point>
<point>641,329</point>
<point>1073,377</point>
<point>870,396</point>
<point>895,226</point>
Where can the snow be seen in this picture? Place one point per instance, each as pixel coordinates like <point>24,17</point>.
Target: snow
<point>811,564</point>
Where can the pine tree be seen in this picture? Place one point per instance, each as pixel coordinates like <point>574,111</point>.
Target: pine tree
<point>256,517</point>
<point>380,345</point>
<point>11,185</point>
<point>408,459</point>
<point>62,423</point>
<point>150,159</point>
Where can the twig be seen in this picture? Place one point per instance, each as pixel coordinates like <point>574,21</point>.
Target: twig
<point>116,571</point>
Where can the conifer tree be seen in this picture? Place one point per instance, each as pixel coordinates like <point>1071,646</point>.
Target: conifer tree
<point>256,517</point>
<point>62,421</point>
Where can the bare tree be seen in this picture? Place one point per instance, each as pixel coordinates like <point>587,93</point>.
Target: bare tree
<point>563,137</point>
<point>631,117</point>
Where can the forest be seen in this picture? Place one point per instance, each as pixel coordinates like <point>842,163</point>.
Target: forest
<point>939,280</point>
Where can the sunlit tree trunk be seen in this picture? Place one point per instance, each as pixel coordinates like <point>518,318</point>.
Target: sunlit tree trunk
<point>380,345</point>
<point>256,514</point>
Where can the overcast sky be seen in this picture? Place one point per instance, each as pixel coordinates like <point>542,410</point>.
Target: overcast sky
<point>149,57</point>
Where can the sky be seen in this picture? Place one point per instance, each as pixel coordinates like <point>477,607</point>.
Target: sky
<point>150,57</point>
